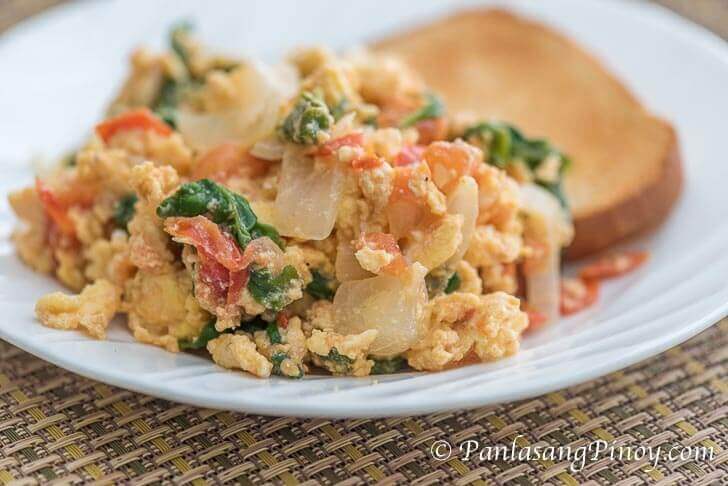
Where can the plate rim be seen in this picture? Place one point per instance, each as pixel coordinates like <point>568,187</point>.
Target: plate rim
<point>697,36</point>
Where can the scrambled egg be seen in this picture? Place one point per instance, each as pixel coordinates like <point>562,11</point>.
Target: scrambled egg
<point>90,311</point>
<point>172,214</point>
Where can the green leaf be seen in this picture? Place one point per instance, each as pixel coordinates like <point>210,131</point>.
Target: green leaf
<point>272,291</point>
<point>339,363</point>
<point>277,359</point>
<point>124,210</point>
<point>262,229</point>
<point>388,366</point>
<point>321,287</point>
<point>255,324</point>
<point>274,335</point>
<point>307,119</point>
<point>505,144</point>
<point>176,39</point>
<point>433,108</point>
<point>207,334</point>
<point>341,108</point>
<point>453,283</point>
<point>222,206</point>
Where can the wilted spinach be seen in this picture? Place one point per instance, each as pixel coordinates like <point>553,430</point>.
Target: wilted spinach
<point>272,290</point>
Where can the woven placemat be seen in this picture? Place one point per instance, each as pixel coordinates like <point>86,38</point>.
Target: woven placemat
<point>56,427</point>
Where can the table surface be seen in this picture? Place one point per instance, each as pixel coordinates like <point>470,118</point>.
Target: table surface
<point>58,427</point>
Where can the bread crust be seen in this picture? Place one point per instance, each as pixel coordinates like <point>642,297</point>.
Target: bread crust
<point>636,215</point>
<point>627,170</point>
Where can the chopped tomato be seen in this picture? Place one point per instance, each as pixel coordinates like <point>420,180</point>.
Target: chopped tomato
<point>432,129</point>
<point>409,155</point>
<point>213,274</point>
<point>402,177</point>
<point>449,161</point>
<point>577,294</point>
<point>350,140</point>
<point>536,319</point>
<point>225,159</point>
<point>614,265</point>
<point>282,318</point>
<point>387,243</point>
<point>205,235</point>
<point>56,209</point>
<point>366,163</point>
<point>264,253</point>
<point>394,109</point>
<point>140,119</point>
<point>238,281</point>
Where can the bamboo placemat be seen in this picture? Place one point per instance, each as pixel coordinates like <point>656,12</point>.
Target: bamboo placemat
<point>56,427</point>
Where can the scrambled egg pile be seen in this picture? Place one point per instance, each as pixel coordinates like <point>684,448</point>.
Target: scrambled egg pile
<point>322,212</point>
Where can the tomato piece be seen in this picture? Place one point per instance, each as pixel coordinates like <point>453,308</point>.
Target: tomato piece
<point>409,155</point>
<point>282,318</point>
<point>614,265</point>
<point>332,146</point>
<point>139,119</point>
<point>213,274</point>
<point>387,243</point>
<point>432,129</point>
<point>402,176</point>
<point>577,294</point>
<point>238,281</point>
<point>56,209</point>
<point>205,235</point>
<point>366,163</point>
<point>448,161</point>
<point>536,319</point>
<point>394,109</point>
<point>228,158</point>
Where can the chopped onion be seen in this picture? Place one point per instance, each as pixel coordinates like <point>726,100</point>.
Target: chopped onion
<point>547,224</point>
<point>346,265</point>
<point>259,92</point>
<point>308,197</point>
<point>394,306</point>
<point>463,200</point>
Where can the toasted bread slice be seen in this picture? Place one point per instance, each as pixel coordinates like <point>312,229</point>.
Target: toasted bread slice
<point>626,172</point>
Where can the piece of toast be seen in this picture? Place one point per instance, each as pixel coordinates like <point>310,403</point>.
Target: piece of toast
<point>626,172</point>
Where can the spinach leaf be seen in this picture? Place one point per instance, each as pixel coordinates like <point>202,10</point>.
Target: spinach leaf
<point>321,287</point>
<point>433,108</point>
<point>339,363</point>
<point>207,334</point>
<point>271,291</point>
<point>341,108</point>
<point>170,94</point>
<point>124,210</point>
<point>453,283</point>
<point>309,117</point>
<point>176,40</point>
<point>262,229</point>
<point>388,366</point>
<point>277,359</point>
<point>255,324</point>
<point>221,205</point>
<point>274,335</point>
<point>505,144</point>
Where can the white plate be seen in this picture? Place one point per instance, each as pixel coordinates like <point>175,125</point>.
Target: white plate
<point>59,70</point>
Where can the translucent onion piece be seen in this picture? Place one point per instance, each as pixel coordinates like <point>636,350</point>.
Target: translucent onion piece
<point>436,244</point>
<point>549,226</point>
<point>463,200</point>
<point>393,305</point>
<point>347,266</point>
<point>308,197</point>
<point>250,115</point>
